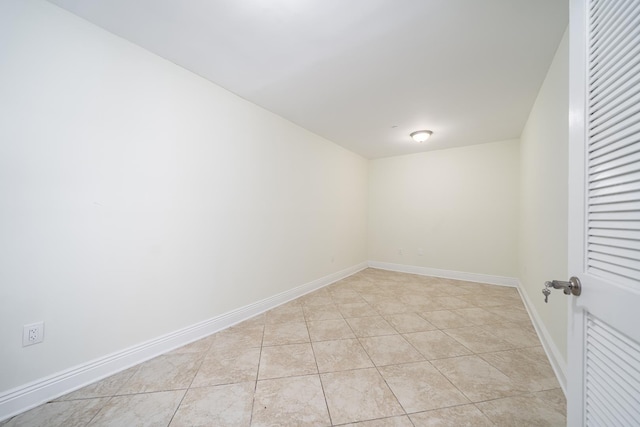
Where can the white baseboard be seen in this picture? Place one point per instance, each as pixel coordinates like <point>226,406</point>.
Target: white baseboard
<point>28,396</point>
<point>446,274</point>
<point>558,363</point>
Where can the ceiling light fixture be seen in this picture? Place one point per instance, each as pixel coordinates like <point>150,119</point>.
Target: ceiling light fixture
<point>420,135</point>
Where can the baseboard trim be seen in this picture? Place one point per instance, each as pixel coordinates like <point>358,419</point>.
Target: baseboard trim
<point>446,274</point>
<point>558,363</point>
<point>23,398</point>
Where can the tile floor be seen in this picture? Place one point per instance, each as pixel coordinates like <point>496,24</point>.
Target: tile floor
<point>376,349</point>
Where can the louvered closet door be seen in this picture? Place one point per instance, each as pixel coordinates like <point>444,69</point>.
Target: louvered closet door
<point>604,213</point>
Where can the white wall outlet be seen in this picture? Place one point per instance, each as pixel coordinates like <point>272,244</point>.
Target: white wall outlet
<point>32,334</point>
<point>420,252</point>
<point>400,251</point>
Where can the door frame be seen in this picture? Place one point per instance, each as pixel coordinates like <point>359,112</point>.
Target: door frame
<point>577,197</point>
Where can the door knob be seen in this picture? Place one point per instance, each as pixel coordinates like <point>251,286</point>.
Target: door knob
<point>572,287</point>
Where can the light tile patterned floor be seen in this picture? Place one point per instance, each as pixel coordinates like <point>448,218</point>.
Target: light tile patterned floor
<point>376,349</point>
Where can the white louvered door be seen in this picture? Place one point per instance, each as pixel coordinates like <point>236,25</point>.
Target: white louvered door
<point>604,213</point>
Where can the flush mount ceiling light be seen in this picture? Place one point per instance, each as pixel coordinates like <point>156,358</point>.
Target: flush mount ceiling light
<point>420,135</point>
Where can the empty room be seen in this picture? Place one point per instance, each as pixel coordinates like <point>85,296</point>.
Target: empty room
<point>319,213</point>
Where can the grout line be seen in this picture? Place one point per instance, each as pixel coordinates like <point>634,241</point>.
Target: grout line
<point>457,405</point>
<point>377,368</point>
<point>94,415</point>
<point>483,413</point>
<point>315,359</point>
<point>255,386</point>
<point>202,357</point>
<point>111,397</point>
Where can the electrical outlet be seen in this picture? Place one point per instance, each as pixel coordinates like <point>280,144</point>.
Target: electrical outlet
<point>420,252</point>
<point>32,334</point>
<point>400,251</point>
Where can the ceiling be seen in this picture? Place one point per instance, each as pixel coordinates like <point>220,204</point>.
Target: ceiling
<point>361,73</point>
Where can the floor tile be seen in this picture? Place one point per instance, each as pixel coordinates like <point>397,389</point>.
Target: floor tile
<point>445,319</point>
<point>389,350</point>
<point>336,292</point>
<point>484,300</point>
<point>201,346</point>
<point>241,335</point>
<point>436,344</point>
<point>457,416</point>
<point>422,304</point>
<point>257,320</point>
<point>477,339</point>
<point>515,301</point>
<point>421,387</point>
<point>358,309</point>
<point>322,312</point>
<point>315,299</point>
<point>402,421</point>
<point>391,307</point>
<point>510,313</point>
<point>286,361</point>
<point>528,367</point>
<point>478,316</point>
<point>535,409</point>
<point>468,286</point>
<point>285,333</point>
<point>166,372</point>
<point>378,297</point>
<point>346,298</point>
<point>452,302</point>
<point>340,355</point>
<point>408,322</point>
<point>59,414</point>
<point>324,330</point>
<point>290,402</point>
<point>224,405</point>
<point>518,334</point>
<point>358,395</point>
<point>228,365</point>
<point>370,326</point>
<point>362,286</point>
<point>147,409</point>
<point>106,387</point>
<point>285,314</point>
<point>477,379</point>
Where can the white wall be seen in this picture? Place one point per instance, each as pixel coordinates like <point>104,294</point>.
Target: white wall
<point>544,189</point>
<point>459,205</point>
<point>136,198</point>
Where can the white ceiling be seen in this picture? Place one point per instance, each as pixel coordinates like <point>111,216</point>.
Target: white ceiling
<point>361,73</point>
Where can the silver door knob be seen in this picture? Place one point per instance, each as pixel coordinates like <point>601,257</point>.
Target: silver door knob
<point>572,287</point>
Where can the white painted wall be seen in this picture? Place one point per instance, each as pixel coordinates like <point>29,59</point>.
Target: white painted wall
<point>459,205</point>
<point>544,189</point>
<point>136,198</point>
